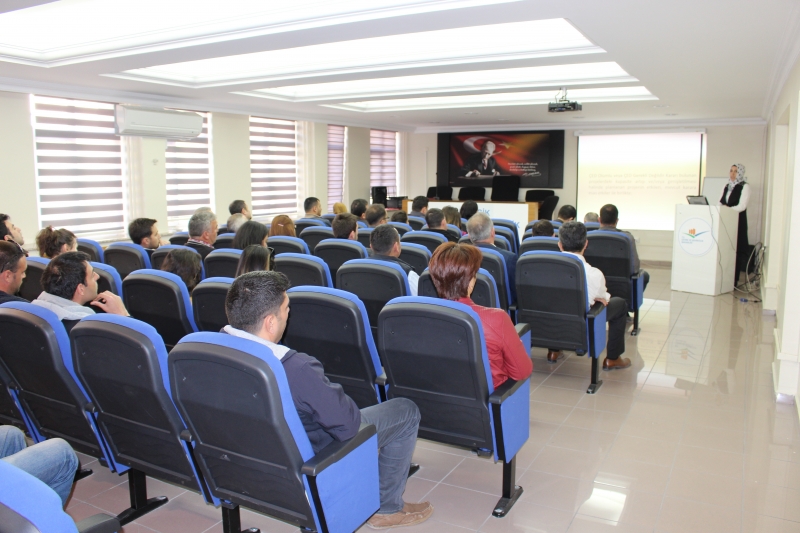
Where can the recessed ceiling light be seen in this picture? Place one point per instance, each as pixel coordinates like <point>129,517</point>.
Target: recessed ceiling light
<point>605,94</point>
<point>75,31</point>
<point>509,41</point>
<point>660,106</point>
<point>472,81</point>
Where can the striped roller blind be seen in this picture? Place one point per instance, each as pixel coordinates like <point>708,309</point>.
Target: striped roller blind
<point>79,167</point>
<point>189,177</point>
<point>383,160</point>
<point>336,144</point>
<point>273,166</point>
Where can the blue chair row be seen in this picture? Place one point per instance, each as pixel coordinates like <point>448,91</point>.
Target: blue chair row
<point>31,288</point>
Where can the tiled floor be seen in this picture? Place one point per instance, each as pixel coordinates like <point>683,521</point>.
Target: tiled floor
<point>689,439</point>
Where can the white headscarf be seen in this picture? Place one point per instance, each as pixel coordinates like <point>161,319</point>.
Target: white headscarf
<point>739,177</point>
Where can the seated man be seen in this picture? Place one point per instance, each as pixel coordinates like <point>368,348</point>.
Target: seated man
<point>572,240</point>
<point>239,207</point>
<point>235,222</point>
<point>144,232</point>
<point>257,308</point>
<point>345,226</point>
<point>358,208</point>
<point>10,232</point>
<point>543,228</point>
<point>609,217</point>
<point>12,271</point>
<point>419,207</point>
<point>313,208</point>
<point>481,232</point>
<point>399,216</point>
<point>69,282</point>
<point>375,215</point>
<point>437,224</point>
<point>385,243</point>
<point>567,213</point>
<point>591,217</point>
<point>52,462</point>
<point>202,232</point>
<point>468,208</point>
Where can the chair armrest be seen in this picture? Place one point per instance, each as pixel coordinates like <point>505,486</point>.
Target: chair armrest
<point>99,523</point>
<point>596,309</point>
<point>636,274</point>
<point>186,436</point>
<point>504,391</point>
<point>522,329</point>
<point>336,450</point>
<point>381,380</point>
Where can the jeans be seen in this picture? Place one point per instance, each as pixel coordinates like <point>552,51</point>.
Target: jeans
<point>617,317</point>
<point>396,422</point>
<point>52,461</point>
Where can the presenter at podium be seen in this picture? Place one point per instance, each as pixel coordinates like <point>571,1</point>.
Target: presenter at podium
<point>735,195</point>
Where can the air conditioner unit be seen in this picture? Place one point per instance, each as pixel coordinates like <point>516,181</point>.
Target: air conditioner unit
<point>160,123</point>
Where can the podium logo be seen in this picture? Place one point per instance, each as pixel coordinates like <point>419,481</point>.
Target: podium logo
<point>693,233</point>
<point>694,237</point>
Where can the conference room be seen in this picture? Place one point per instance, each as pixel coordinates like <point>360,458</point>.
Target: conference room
<point>675,124</point>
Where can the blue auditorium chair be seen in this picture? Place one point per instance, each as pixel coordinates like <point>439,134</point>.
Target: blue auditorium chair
<point>592,226</point>
<point>499,241</point>
<point>556,223</point>
<point>208,303</point>
<point>179,238</point>
<point>224,240</point>
<point>222,263</point>
<point>329,217</point>
<point>252,448</point>
<point>302,223</point>
<point>10,411</point>
<point>92,249</point>
<point>108,278</point>
<point>160,253</point>
<point>401,227</point>
<point>283,245</point>
<point>364,235</point>
<point>304,269</point>
<point>31,286</point>
<point>421,337</point>
<point>416,223</point>
<point>453,230</point>
<point>361,224</point>
<point>160,299</point>
<point>127,257</point>
<point>495,264</point>
<point>313,235</point>
<point>484,293</point>
<point>428,239</point>
<point>552,297</point>
<point>508,229</point>
<point>532,244</point>
<point>416,255</point>
<point>336,252</point>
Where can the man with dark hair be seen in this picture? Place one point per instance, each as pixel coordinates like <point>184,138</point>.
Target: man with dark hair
<point>572,240</point>
<point>399,216</point>
<point>240,207</point>
<point>69,282</point>
<point>12,271</point>
<point>10,232</point>
<point>419,207</point>
<point>144,232</point>
<point>437,224</point>
<point>375,215</point>
<point>481,232</point>
<point>609,217</point>
<point>202,232</point>
<point>543,228</point>
<point>313,208</point>
<point>468,208</point>
<point>385,243</point>
<point>567,213</point>
<point>345,226</point>
<point>358,207</point>
<point>257,308</point>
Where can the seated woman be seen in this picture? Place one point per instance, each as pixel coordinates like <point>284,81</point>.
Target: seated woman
<point>452,216</point>
<point>52,242</point>
<point>454,270</point>
<point>251,232</point>
<point>254,258</point>
<point>186,265</point>
<point>282,226</point>
<point>339,208</point>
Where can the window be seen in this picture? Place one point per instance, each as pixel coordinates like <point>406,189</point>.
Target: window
<point>273,166</point>
<point>79,167</point>
<point>337,140</point>
<point>189,177</point>
<point>383,160</point>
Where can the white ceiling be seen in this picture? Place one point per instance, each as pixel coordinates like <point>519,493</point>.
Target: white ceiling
<point>709,61</point>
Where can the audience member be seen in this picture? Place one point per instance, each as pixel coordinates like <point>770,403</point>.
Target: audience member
<point>481,233</point>
<point>419,207</point>
<point>567,213</point>
<point>10,232</point>
<point>468,208</point>
<point>454,271</point>
<point>399,216</point>
<point>282,226</point>
<point>375,215</point>
<point>313,208</point>
<point>254,258</point>
<point>235,222</point>
<point>144,232</point>
<point>186,265</point>
<point>385,243</point>
<point>572,239</point>
<point>12,271</point>
<point>345,226</point>
<point>543,228</point>
<point>69,282</point>
<point>453,216</point>
<point>358,207</point>
<point>52,242</point>
<point>591,217</point>
<point>251,232</point>
<point>53,461</point>
<point>609,217</point>
<point>339,208</point>
<point>437,224</point>
<point>257,308</point>
<point>239,207</point>
<point>202,231</point>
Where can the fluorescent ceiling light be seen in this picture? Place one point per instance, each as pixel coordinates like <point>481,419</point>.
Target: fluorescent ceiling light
<point>606,94</point>
<point>476,44</point>
<point>75,31</point>
<point>472,81</point>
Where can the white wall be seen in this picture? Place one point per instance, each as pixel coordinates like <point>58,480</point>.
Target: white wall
<point>230,156</point>
<point>356,172</point>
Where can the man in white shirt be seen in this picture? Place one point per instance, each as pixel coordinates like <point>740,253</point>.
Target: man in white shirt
<point>572,240</point>
<point>385,243</point>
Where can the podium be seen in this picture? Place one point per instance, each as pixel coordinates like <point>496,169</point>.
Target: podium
<point>704,249</point>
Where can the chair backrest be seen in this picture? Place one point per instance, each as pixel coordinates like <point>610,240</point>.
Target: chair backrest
<point>442,192</point>
<point>108,278</point>
<point>556,223</point>
<point>283,245</point>
<point>160,253</point>
<point>302,223</point>
<point>31,286</point>
<point>472,193</point>
<point>548,206</point>
<point>222,263</point>
<point>421,337</point>
<point>361,224</point>
<point>374,282</point>
<point>428,239</point>
<point>416,223</point>
<point>314,234</point>
<point>336,252</point>
<point>10,413</point>
<point>127,257</point>
<point>499,241</point>
<point>208,303</point>
<point>452,229</point>
<point>538,195</point>
<point>92,248</point>
<point>304,269</point>
<point>332,326</point>
<point>484,293</point>
<point>532,244</point>
<point>328,216</point>
<point>495,264</point>
<point>179,237</point>
<point>500,223</point>
<point>363,236</point>
<point>416,255</point>
<point>510,237</point>
<point>592,226</point>
<point>612,253</point>
<point>160,299</point>
<point>552,298</point>
<point>224,240</point>
<point>401,227</point>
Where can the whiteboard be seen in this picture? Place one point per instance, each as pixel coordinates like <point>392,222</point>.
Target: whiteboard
<point>712,188</point>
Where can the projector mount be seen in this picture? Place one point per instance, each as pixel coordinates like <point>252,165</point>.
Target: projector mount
<point>563,104</point>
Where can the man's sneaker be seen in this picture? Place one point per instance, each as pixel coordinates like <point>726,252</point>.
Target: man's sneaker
<point>411,515</point>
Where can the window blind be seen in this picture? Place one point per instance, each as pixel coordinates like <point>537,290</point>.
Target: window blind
<point>336,146</point>
<point>79,167</point>
<point>383,160</point>
<point>273,166</point>
<point>189,177</point>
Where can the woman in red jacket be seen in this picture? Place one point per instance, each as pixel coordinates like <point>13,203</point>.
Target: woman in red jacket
<point>454,270</point>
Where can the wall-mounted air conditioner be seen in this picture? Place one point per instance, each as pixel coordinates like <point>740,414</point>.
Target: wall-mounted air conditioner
<point>152,122</point>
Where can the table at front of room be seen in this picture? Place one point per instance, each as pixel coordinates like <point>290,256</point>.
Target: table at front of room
<point>519,212</point>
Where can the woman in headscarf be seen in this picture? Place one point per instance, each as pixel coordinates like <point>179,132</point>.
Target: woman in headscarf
<point>735,195</point>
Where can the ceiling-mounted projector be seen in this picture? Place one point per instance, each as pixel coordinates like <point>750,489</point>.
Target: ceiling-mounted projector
<point>563,104</point>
